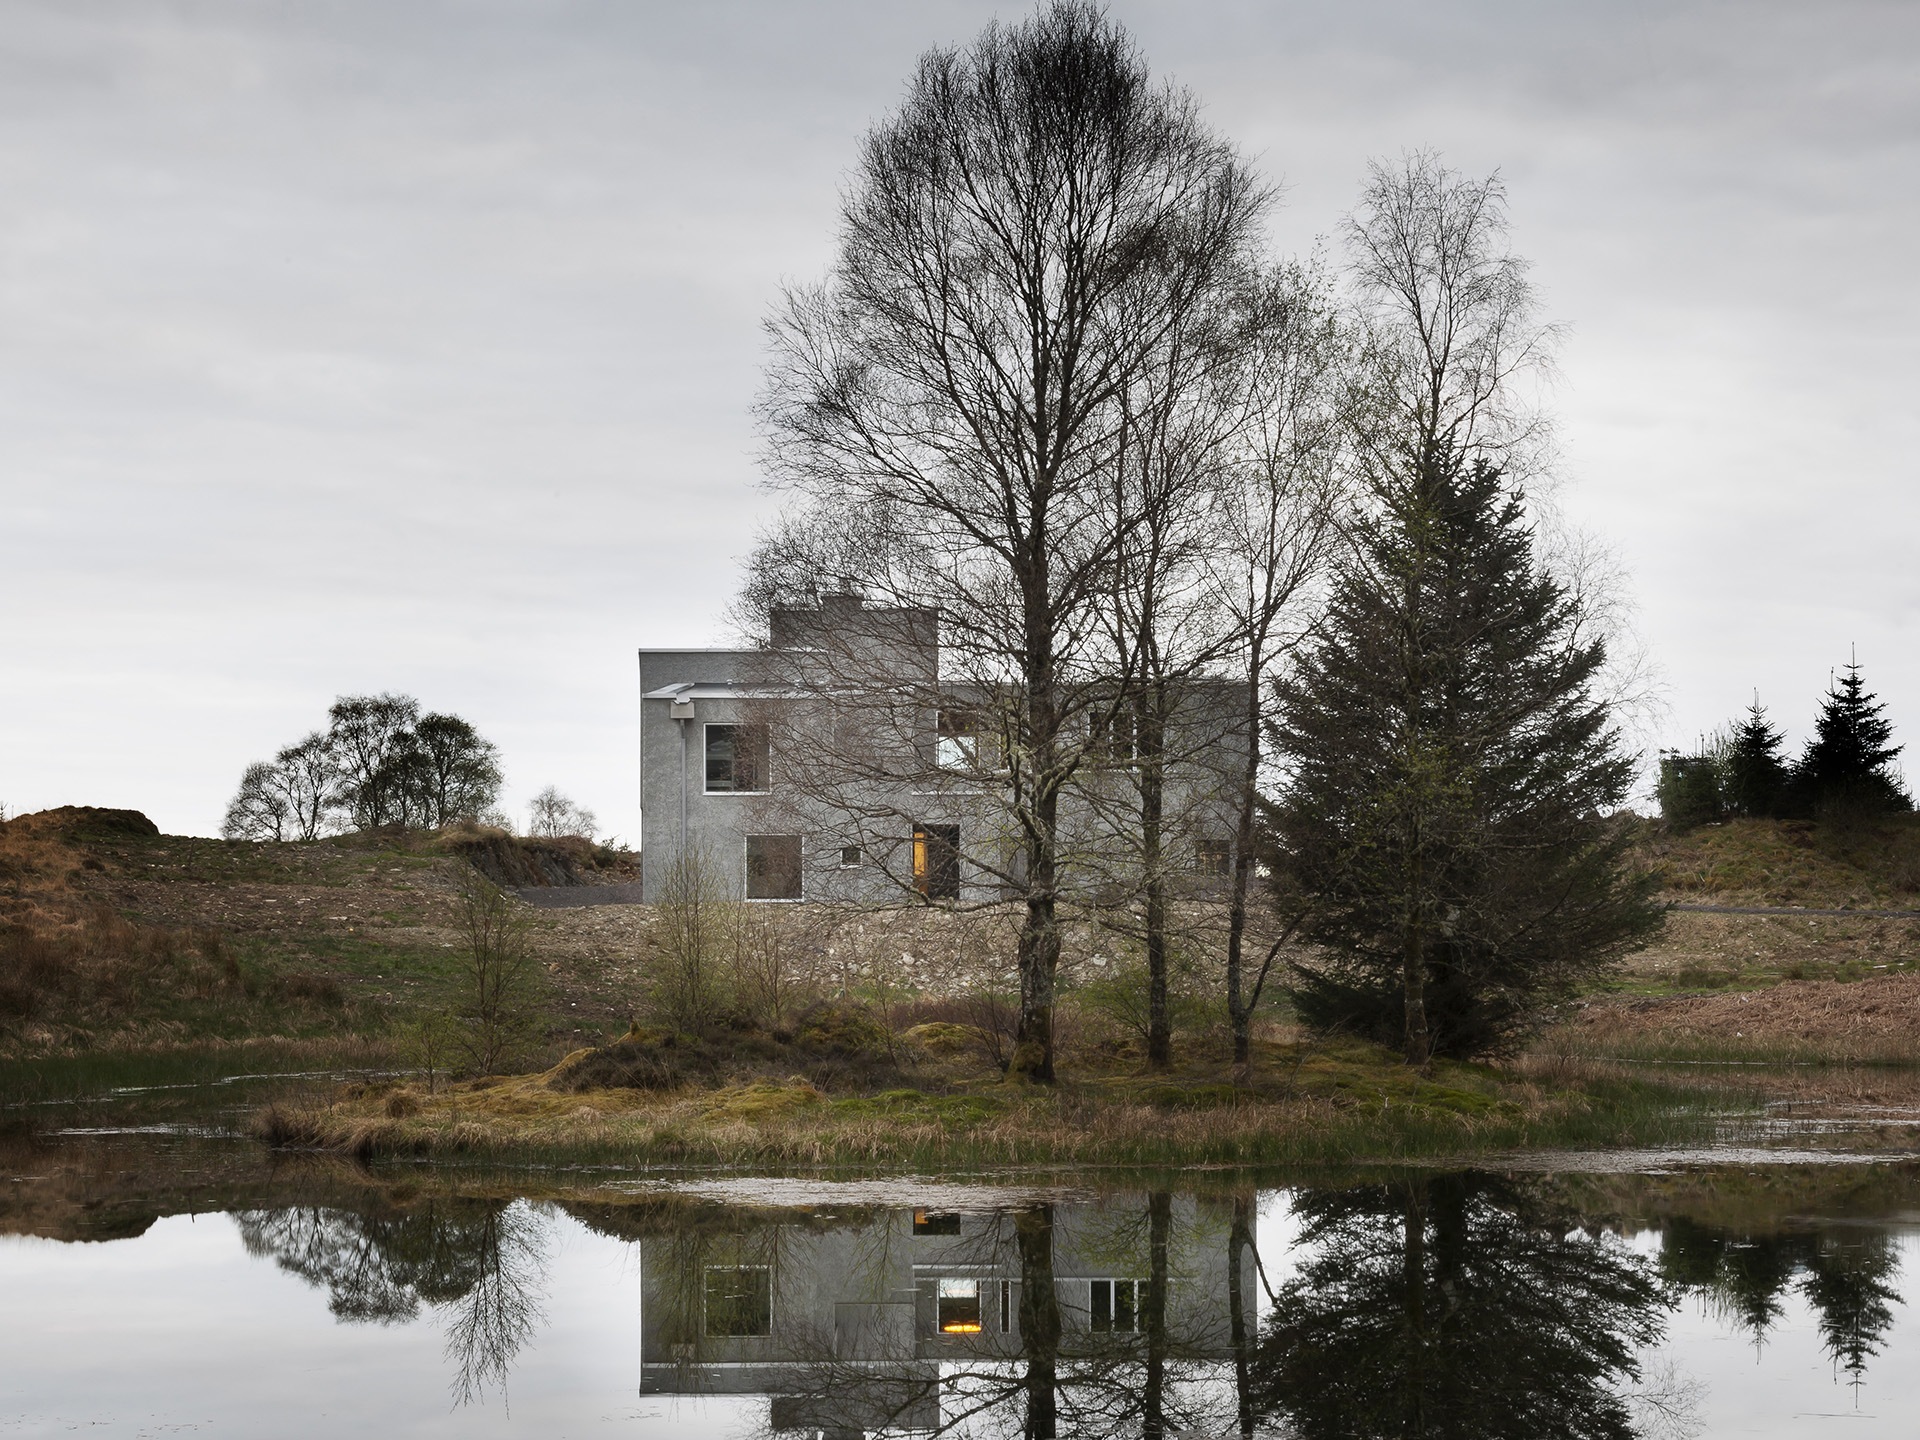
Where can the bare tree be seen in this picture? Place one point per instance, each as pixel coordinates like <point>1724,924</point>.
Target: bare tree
<point>370,735</point>
<point>1019,239</point>
<point>551,815</point>
<point>1279,507</point>
<point>308,771</point>
<point>458,771</point>
<point>498,984</point>
<point>260,809</point>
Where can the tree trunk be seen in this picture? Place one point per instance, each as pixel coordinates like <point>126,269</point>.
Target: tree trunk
<point>1414,979</point>
<point>1040,933</point>
<point>1239,1241</point>
<point>1039,1319</point>
<point>1239,1007</point>
<point>1154,1399</point>
<point>1150,756</point>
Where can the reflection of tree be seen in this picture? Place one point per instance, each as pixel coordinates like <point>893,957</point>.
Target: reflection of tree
<point>1842,1274</point>
<point>1454,1306</point>
<point>479,1262</point>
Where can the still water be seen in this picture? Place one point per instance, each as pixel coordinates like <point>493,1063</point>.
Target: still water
<point>167,1280</point>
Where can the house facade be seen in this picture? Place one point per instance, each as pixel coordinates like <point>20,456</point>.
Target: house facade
<point>838,764</point>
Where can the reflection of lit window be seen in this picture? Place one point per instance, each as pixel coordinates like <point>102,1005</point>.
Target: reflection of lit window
<point>1116,1306</point>
<point>959,1307</point>
<point>927,1222</point>
<point>739,1301</point>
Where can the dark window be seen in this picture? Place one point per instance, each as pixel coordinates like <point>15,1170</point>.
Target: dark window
<point>1006,1307</point>
<point>1114,1306</point>
<point>773,867</point>
<point>740,1301</point>
<point>928,1222</point>
<point>936,861</point>
<point>736,759</point>
<point>849,856</point>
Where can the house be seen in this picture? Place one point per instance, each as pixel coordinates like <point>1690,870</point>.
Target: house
<point>838,763</point>
<point>857,1320</point>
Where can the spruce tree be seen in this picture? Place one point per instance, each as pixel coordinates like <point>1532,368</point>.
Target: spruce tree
<point>1449,834</point>
<point>1755,778</point>
<point>1848,761</point>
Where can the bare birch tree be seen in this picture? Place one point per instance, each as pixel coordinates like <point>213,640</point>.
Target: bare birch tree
<point>1017,241</point>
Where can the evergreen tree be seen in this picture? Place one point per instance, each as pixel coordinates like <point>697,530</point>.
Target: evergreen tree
<point>1848,761</point>
<point>1447,835</point>
<point>1755,775</point>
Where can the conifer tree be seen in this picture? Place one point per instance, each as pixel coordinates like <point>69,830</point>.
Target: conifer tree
<point>1448,832</point>
<point>1848,761</point>
<point>1755,772</point>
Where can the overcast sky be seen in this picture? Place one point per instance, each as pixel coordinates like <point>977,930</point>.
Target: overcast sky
<point>410,346</point>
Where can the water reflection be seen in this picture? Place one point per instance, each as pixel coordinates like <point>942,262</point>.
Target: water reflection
<point>479,1263</point>
<point>1844,1274</point>
<point>1456,1306</point>
<point>1435,1306</point>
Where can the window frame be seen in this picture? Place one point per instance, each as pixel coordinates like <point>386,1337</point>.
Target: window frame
<point>799,871</point>
<point>706,778</point>
<point>706,1302</point>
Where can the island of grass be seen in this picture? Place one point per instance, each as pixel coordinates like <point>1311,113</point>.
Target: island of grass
<point>840,1091</point>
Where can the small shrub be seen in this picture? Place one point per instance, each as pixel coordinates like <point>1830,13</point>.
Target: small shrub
<point>314,988</point>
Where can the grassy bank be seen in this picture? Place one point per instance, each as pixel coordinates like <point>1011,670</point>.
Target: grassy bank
<point>1315,1106</point>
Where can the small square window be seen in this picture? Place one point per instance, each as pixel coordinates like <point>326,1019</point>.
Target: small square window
<point>739,1301</point>
<point>736,759</point>
<point>773,867</point>
<point>849,857</point>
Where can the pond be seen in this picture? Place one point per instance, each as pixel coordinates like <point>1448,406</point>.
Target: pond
<point>160,1275</point>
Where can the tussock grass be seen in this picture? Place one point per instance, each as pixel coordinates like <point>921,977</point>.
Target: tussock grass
<point>1333,1107</point>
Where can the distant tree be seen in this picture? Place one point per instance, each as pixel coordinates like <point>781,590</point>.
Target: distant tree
<point>373,746</point>
<point>1448,827</point>
<point>552,815</point>
<point>1848,762</point>
<point>379,762</point>
<point>1692,788</point>
<point>260,809</point>
<point>1755,772</point>
<point>307,772</point>
<point>458,772</point>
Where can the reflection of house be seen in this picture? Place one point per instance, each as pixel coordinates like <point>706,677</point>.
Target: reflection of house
<point>837,764</point>
<point>884,1304</point>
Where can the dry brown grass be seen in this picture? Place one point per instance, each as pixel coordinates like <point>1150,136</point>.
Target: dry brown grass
<point>1866,1021</point>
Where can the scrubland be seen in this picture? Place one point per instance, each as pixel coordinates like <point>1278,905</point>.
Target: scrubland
<point>880,1038</point>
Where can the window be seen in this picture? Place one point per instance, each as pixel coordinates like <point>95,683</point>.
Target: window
<point>1006,1307</point>
<point>739,1301</point>
<point>928,1222</point>
<point>964,741</point>
<point>1213,856</point>
<point>1115,1306</point>
<point>736,759</point>
<point>959,1307</point>
<point>773,867</point>
<point>1110,737</point>
<point>849,857</point>
<point>936,861</point>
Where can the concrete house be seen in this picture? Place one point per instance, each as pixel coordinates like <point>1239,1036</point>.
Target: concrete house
<point>872,1319</point>
<point>838,764</point>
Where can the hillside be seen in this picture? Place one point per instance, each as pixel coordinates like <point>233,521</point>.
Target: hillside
<point>113,935</point>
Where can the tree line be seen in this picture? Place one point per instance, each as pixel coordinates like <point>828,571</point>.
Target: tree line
<point>1847,769</point>
<point>1056,390</point>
